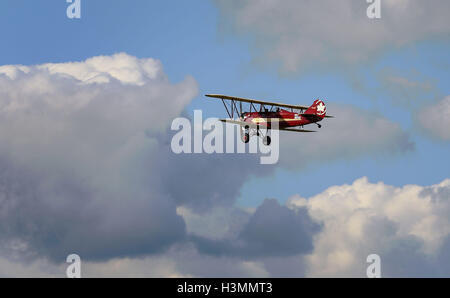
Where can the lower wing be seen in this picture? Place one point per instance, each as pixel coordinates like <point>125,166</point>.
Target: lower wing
<point>251,125</point>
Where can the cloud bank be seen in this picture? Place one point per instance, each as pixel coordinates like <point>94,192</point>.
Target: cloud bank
<point>86,167</point>
<point>272,230</point>
<point>408,227</point>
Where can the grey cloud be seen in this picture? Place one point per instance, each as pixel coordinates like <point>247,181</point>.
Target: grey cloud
<point>285,267</point>
<point>443,260</point>
<point>439,195</point>
<point>401,256</point>
<point>273,230</point>
<point>203,181</point>
<point>434,119</point>
<point>404,256</point>
<point>304,35</point>
<point>219,222</point>
<point>353,133</point>
<point>409,91</point>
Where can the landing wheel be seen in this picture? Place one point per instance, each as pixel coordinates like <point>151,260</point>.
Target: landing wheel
<point>267,140</point>
<point>246,138</point>
<point>320,126</point>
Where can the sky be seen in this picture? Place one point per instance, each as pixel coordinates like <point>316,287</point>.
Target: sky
<point>86,106</point>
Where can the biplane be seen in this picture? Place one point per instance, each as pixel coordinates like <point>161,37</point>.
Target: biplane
<point>260,117</point>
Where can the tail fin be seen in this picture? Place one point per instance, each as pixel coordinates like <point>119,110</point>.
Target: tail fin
<point>318,108</point>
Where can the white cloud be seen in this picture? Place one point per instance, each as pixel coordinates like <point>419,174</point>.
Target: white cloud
<point>435,119</point>
<point>302,34</point>
<point>101,69</point>
<point>407,226</point>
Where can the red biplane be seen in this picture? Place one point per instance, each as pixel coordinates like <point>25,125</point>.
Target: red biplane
<point>259,120</point>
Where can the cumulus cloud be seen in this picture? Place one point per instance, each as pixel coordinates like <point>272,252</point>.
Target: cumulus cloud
<point>408,227</point>
<point>353,133</point>
<point>77,157</point>
<point>434,119</point>
<point>301,34</point>
<point>86,165</point>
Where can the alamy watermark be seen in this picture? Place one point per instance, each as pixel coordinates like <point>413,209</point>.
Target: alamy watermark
<point>374,269</point>
<point>208,137</point>
<point>374,9</point>
<point>74,269</point>
<point>74,9</point>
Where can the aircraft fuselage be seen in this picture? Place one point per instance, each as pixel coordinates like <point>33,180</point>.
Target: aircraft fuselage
<point>283,117</point>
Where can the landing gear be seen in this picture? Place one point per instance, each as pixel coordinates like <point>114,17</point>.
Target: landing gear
<point>247,132</point>
<point>320,126</point>
<point>246,138</point>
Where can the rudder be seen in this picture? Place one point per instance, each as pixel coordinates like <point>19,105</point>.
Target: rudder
<point>318,108</point>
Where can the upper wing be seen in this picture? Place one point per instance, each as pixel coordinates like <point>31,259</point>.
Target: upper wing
<point>282,105</point>
<point>251,125</point>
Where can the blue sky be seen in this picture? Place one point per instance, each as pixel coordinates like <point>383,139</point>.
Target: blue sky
<point>187,38</point>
